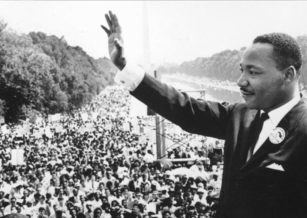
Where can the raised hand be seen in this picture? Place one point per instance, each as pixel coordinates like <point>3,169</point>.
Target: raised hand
<point>116,44</point>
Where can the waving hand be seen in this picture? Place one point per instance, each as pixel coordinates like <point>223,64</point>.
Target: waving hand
<point>115,40</point>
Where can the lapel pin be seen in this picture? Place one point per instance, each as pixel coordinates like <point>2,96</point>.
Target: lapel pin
<point>277,135</point>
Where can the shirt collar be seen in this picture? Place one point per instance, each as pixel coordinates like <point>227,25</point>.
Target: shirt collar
<point>277,114</point>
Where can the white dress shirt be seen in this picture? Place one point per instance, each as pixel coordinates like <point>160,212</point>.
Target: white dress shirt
<point>130,77</point>
<point>275,116</point>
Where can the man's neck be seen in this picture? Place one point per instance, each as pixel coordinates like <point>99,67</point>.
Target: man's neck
<point>294,96</point>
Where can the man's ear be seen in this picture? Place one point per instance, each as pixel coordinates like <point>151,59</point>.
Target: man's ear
<point>290,74</point>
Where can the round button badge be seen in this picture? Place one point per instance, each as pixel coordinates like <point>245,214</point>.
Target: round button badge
<point>277,135</point>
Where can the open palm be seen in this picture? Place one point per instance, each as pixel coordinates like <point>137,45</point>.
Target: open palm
<point>115,40</point>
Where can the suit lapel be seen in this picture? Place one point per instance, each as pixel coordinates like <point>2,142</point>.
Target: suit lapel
<point>261,157</point>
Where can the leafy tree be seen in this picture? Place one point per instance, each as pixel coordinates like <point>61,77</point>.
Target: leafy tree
<point>302,40</point>
<point>43,74</point>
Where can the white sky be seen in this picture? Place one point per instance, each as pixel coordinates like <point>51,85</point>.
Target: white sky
<point>178,30</point>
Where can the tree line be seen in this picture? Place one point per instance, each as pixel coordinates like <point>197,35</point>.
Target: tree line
<point>43,74</point>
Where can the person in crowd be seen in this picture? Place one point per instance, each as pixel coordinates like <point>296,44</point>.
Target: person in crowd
<point>59,179</point>
<point>12,207</point>
<point>265,136</point>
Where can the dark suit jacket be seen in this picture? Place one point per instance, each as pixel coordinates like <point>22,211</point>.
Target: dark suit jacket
<point>249,189</point>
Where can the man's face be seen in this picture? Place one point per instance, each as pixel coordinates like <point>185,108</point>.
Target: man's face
<point>42,199</point>
<point>75,192</point>
<point>261,83</point>
<point>124,203</point>
<point>136,208</point>
<point>81,198</point>
<point>99,212</point>
<point>41,212</point>
<point>13,201</point>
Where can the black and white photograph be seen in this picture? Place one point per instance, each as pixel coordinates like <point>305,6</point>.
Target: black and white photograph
<point>153,109</point>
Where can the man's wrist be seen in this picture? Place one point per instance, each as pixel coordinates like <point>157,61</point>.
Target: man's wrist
<point>130,76</point>
<point>121,64</point>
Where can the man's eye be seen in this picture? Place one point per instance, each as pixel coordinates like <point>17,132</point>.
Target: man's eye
<point>251,72</point>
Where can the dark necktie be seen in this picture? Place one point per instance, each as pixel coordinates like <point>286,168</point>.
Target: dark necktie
<point>256,129</point>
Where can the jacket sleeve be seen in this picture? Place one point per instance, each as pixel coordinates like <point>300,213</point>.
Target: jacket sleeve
<point>192,115</point>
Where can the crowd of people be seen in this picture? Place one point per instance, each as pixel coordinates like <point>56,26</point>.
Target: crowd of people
<point>93,164</point>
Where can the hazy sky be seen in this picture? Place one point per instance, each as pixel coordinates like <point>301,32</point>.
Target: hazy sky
<point>171,31</point>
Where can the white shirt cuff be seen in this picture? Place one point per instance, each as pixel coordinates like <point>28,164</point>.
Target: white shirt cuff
<point>130,77</point>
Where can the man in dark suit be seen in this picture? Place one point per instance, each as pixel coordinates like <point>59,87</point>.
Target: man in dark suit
<point>265,160</point>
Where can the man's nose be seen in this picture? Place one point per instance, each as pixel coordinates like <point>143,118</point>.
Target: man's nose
<point>242,81</point>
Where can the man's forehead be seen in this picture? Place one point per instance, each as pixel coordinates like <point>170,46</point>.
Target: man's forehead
<point>257,54</point>
<point>258,49</point>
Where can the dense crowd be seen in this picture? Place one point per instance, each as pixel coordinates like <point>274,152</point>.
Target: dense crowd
<point>93,164</point>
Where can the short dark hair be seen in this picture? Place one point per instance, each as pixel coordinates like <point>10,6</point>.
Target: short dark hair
<point>286,50</point>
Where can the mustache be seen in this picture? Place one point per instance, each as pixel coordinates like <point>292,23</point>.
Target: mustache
<point>245,90</point>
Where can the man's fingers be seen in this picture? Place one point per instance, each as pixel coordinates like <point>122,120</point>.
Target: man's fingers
<point>111,16</point>
<point>109,22</point>
<point>106,30</point>
<point>112,21</point>
<point>116,23</point>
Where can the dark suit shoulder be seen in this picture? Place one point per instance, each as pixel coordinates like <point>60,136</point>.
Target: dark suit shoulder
<point>241,113</point>
<point>298,116</point>
<point>242,108</point>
